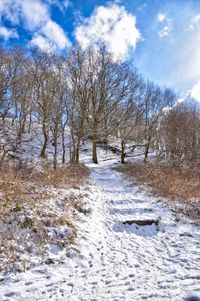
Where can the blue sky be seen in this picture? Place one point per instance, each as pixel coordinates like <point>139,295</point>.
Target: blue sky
<point>161,37</point>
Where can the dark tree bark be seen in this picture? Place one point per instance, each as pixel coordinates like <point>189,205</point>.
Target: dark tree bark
<point>94,147</point>
<point>45,143</point>
<point>123,152</point>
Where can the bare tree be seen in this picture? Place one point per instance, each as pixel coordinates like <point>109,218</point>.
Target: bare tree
<point>130,113</point>
<point>78,97</point>
<point>109,86</point>
<point>40,70</point>
<point>13,102</point>
<point>58,113</point>
<point>96,97</point>
<point>179,137</point>
<point>10,63</point>
<point>155,100</point>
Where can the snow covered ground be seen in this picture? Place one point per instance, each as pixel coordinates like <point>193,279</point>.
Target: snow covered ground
<point>117,261</point>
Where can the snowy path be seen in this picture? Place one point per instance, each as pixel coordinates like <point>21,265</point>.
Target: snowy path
<point>116,261</point>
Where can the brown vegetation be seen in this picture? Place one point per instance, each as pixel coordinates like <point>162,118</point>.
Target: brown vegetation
<point>173,185</point>
<point>30,208</point>
<point>24,185</point>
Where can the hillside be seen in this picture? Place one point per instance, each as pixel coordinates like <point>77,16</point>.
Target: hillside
<point>113,260</point>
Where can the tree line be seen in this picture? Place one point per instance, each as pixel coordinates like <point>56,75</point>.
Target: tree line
<point>93,97</point>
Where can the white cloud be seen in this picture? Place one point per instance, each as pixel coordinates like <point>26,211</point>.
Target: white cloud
<point>41,42</point>
<point>7,33</point>
<point>61,4</point>
<point>165,31</point>
<point>161,17</point>
<point>32,13</point>
<point>10,10</point>
<point>50,37</point>
<point>195,21</point>
<point>166,25</point>
<point>55,34</point>
<point>111,25</point>
<point>195,92</point>
<point>35,13</point>
<point>35,17</point>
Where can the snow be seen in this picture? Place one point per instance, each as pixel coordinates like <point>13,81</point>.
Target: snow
<point>117,261</point>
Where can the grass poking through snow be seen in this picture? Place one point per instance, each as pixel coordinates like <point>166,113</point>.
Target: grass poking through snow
<point>176,186</point>
<point>38,214</point>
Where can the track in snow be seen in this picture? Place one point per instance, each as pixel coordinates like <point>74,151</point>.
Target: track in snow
<point>118,262</point>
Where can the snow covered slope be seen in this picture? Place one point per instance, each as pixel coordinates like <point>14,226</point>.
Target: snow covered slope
<point>116,261</point>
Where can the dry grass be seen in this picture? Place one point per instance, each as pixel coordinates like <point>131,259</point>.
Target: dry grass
<point>27,211</point>
<point>25,185</point>
<point>173,185</point>
<point>72,175</point>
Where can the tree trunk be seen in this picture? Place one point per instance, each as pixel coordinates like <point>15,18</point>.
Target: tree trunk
<point>122,152</point>
<point>73,149</point>
<point>77,150</point>
<point>94,147</point>
<point>21,130</point>
<point>63,146</point>
<point>2,158</point>
<point>3,119</point>
<point>105,136</point>
<point>46,139</point>
<point>55,151</point>
<point>77,155</point>
<point>30,124</point>
<point>146,152</point>
<point>73,156</point>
